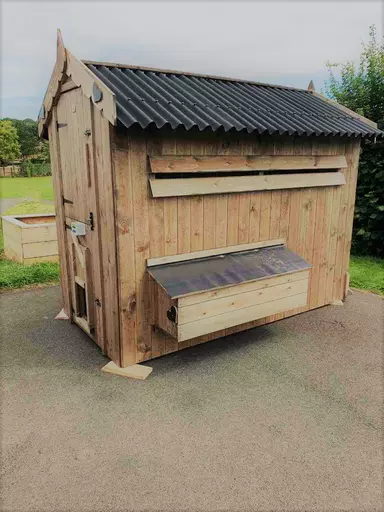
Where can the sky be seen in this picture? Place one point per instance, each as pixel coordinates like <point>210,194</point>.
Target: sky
<point>283,42</point>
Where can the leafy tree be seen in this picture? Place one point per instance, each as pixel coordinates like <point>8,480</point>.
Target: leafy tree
<point>28,137</point>
<point>9,142</point>
<point>30,144</point>
<point>361,88</point>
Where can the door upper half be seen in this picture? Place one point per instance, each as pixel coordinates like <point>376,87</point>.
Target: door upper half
<point>74,153</point>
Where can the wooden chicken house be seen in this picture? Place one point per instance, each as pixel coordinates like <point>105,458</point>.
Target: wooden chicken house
<point>190,207</point>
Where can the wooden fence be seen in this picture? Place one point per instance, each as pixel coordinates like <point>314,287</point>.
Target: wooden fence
<point>10,170</point>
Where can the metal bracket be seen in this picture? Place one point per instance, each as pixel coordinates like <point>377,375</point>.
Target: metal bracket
<point>68,201</point>
<point>61,125</point>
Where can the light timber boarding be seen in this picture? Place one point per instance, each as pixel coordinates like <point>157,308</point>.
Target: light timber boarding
<point>233,163</point>
<point>220,185</point>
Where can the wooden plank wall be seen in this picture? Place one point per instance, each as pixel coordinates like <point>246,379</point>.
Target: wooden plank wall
<point>317,223</point>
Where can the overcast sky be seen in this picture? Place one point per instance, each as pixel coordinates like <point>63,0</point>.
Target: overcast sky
<point>276,42</point>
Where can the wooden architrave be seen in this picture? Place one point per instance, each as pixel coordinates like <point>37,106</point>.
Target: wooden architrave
<point>228,163</point>
<point>68,66</point>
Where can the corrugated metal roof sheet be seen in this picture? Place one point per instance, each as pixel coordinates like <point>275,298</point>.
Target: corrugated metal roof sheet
<point>162,99</point>
<point>204,274</point>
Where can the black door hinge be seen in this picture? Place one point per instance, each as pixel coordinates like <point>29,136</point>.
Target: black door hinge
<point>61,125</point>
<point>67,200</point>
<point>91,221</point>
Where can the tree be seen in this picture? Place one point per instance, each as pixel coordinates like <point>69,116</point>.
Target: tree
<point>30,144</point>
<point>28,136</point>
<point>361,88</point>
<point>9,142</point>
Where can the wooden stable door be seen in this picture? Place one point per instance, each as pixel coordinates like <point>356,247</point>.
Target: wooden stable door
<point>79,190</point>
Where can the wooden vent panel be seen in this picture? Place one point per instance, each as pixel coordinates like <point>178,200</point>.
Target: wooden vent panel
<point>201,164</point>
<point>176,187</point>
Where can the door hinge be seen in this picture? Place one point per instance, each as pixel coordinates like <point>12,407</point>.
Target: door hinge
<point>91,221</point>
<point>61,125</point>
<point>65,200</point>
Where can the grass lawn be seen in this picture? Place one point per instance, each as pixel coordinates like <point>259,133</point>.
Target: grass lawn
<point>39,188</point>
<point>30,207</point>
<point>16,275</point>
<point>367,274</point>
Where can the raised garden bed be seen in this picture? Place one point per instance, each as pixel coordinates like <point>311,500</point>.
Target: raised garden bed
<point>30,238</point>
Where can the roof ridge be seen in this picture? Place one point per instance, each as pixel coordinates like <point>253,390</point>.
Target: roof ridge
<point>190,73</point>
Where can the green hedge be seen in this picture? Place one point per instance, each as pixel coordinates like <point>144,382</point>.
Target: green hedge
<point>30,169</point>
<point>368,226</point>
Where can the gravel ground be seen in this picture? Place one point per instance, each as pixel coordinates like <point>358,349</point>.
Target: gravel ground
<point>282,417</point>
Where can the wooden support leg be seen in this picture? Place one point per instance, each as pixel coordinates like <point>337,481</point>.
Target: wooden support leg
<point>136,371</point>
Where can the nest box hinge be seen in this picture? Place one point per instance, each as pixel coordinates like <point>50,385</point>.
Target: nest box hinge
<point>61,125</point>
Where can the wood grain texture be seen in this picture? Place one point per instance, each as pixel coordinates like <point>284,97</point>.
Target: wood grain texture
<point>233,163</point>
<point>213,252</point>
<point>105,176</point>
<point>54,147</point>
<point>309,219</point>
<point>239,299</point>
<point>175,187</point>
<point>239,316</point>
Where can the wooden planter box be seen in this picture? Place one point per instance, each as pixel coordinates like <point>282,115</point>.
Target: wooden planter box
<point>30,238</point>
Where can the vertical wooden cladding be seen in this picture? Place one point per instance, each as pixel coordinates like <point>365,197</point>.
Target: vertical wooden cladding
<point>101,160</point>
<point>82,172</point>
<point>54,148</point>
<point>316,223</point>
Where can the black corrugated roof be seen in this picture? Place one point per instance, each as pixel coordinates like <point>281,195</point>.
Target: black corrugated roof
<point>166,98</point>
<point>205,274</point>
